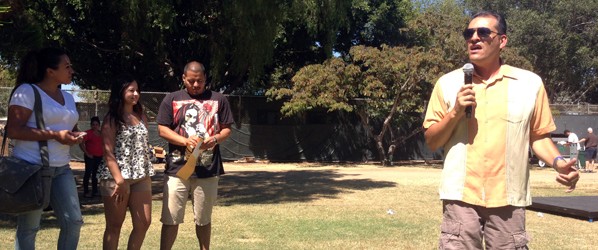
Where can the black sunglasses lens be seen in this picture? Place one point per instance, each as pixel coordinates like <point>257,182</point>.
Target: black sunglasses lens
<point>468,33</point>
<point>484,32</point>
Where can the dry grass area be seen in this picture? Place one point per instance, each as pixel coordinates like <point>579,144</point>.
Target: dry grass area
<point>328,206</point>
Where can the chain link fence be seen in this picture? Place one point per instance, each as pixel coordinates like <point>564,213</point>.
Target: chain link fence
<point>574,109</point>
<point>94,103</point>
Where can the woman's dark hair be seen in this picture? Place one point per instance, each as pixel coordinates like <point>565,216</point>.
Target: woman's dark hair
<point>95,119</point>
<point>116,101</point>
<point>33,66</point>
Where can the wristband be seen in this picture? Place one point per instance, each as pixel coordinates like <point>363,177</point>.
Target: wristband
<point>560,157</point>
<point>215,140</point>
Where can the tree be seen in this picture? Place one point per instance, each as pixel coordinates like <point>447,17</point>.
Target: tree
<point>349,23</point>
<point>374,23</point>
<point>393,80</point>
<point>153,40</point>
<point>3,11</point>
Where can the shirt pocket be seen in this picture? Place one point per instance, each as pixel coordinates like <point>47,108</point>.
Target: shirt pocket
<point>517,111</point>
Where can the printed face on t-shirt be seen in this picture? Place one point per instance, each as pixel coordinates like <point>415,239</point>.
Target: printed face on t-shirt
<point>196,117</point>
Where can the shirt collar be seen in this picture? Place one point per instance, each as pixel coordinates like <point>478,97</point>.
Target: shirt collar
<point>504,71</point>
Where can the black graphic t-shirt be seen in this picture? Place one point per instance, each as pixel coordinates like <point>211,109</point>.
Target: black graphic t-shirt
<point>189,116</point>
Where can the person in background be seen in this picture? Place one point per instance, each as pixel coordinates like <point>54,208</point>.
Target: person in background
<point>46,70</point>
<point>574,146</point>
<point>93,152</point>
<point>184,117</point>
<point>124,175</point>
<point>485,178</point>
<point>591,142</point>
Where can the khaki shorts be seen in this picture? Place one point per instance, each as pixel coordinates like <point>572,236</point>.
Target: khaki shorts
<point>203,191</point>
<point>136,185</point>
<point>465,226</point>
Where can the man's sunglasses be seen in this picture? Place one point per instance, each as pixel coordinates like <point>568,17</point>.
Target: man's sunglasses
<point>483,33</point>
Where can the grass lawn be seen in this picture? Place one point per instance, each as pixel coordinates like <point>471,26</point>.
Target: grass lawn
<point>326,206</point>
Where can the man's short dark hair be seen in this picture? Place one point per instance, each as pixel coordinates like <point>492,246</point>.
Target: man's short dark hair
<point>194,66</point>
<point>566,131</point>
<point>502,23</point>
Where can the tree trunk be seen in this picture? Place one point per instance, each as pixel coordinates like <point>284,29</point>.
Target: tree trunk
<point>365,122</point>
<point>386,160</point>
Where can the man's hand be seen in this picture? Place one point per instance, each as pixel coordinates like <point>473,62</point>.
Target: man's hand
<point>438,134</point>
<point>192,141</point>
<point>465,97</point>
<point>567,173</point>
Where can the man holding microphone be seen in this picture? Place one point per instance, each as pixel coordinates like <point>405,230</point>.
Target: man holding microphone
<point>485,179</point>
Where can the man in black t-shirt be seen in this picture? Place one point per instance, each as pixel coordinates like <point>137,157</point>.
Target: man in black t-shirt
<point>591,141</point>
<point>186,118</point>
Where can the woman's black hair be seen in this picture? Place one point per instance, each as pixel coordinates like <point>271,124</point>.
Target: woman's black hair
<point>116,101</point>
<point>33,66</point>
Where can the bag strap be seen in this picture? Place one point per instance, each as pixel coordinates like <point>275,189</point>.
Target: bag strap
<point>39,120</point>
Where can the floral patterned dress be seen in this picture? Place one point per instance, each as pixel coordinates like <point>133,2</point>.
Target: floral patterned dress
<point>132,153</point>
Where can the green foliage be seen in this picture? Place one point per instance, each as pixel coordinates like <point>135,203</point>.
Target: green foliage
<point>439,25</point>
<point>329,85</point>
<point>7,78</point>
<point>249,46</point>
<point>358,22</point>
<point>236,40</point>
<point>373,23</point>
<point>3,10</point>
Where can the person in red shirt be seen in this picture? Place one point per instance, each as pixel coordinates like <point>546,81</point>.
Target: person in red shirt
<point>92,148</point>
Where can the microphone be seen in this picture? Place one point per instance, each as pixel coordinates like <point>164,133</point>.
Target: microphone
<point>468,77</point>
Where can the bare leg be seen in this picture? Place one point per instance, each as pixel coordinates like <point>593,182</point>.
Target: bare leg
<point>115,215</point>
<point>168,236</point>
<point>203,234</point>
<point>140,205</point>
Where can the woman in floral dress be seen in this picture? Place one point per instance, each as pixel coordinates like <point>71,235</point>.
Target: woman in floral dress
<point>124,175</point>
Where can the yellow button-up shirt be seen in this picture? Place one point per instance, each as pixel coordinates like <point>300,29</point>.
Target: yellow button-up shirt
<point>486,157</point>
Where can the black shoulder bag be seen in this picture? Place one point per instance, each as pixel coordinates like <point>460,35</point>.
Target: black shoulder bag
<point>24,186</point>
